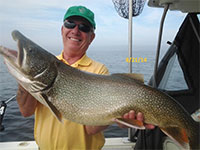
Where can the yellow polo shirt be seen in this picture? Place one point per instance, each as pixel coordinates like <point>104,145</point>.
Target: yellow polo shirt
<point>50,134</point>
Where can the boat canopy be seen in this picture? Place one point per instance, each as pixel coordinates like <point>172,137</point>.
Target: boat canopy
<point>186,6</point>
<point>185,48</point>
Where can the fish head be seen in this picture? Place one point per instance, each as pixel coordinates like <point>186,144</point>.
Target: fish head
<point>33,67</point>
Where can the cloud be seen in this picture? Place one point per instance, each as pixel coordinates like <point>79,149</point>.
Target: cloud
<point>42,20</point>
<point>45,17</point>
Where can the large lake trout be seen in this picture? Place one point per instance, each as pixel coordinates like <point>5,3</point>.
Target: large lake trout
<point>92,99</point>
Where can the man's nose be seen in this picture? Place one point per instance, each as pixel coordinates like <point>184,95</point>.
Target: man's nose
<point>75,30</point>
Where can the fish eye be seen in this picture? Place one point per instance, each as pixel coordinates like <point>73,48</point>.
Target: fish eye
<point>30,50</point>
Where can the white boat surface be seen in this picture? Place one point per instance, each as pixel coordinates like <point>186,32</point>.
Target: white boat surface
<point>110,144</point>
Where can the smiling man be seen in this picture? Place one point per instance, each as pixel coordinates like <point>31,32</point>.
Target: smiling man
<point>77,34</point>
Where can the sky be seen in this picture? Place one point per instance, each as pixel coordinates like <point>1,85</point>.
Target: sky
<point>41,21</point>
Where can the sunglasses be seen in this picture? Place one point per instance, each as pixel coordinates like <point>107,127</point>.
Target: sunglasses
<point>82,27</point>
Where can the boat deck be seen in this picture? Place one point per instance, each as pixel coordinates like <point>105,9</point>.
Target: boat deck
<point>111,144</point>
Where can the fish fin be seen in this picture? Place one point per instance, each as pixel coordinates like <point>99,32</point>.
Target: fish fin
<point>52,108</point>
<point>132,123</point>
<point>131,76</point>
<point>37,86</point>
<point>179,135</point>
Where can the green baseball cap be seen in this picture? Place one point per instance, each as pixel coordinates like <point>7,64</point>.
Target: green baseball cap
<point>81,11</point>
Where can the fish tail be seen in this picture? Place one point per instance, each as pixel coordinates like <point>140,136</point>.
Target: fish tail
<point>179,135</point>
<point>187,138</point>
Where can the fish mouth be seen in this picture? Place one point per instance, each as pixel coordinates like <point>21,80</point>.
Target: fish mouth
<point>13,57</point>
<point>20,54</point>
<point>10,56</point>
<point>8,53</point>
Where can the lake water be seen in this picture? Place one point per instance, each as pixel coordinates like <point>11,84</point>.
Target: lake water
<point>18,128</point>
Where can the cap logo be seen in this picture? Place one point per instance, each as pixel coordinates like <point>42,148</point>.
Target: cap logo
<point>82,10</point>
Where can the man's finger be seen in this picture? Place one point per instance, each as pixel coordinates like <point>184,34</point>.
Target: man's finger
<point>126,116</point>
<point>140,117</point>
<point>132,114</point>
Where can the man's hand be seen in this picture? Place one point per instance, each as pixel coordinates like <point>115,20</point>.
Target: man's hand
<point>139,116</point>
<point>27,103</point>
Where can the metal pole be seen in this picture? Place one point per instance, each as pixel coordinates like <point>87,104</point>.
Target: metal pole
<point>130,49</point>
<point>130,34</point>
<point>159,44</point>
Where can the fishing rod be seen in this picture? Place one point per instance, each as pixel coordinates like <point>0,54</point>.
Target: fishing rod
<point>3,106</point>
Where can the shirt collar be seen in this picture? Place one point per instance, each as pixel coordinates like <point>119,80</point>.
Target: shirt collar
<point>83,61</point>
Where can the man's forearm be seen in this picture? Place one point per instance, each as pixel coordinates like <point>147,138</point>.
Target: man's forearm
<point>27,103</point>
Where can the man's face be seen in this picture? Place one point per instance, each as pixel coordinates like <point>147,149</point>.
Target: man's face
<point>75,40</point>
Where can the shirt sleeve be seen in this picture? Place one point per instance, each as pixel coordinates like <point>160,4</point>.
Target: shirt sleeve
<point>103,70</point>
